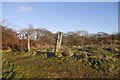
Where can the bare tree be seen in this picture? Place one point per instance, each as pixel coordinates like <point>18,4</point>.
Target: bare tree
<point>44,36</point>
<point>26,34</point>
<point>30,31</point>
<point>22,34</point>
<point>83,33</point>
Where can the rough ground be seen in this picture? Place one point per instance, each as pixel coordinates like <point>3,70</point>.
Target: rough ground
<point>99,64</point>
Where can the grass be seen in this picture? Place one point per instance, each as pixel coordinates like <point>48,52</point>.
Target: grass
<point>98,65</point>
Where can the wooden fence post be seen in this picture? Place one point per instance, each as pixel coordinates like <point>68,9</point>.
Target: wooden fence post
<point>58,41</point>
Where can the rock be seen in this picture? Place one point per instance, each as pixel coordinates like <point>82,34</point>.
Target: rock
<point>59,55</point>
<point>90,54</point>
<point>67,52</point>
<point>84,55</point>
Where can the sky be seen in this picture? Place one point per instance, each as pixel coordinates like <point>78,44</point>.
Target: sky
<point>92,17</point>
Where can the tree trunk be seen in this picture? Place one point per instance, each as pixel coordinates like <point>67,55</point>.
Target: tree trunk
<point>28,37</point>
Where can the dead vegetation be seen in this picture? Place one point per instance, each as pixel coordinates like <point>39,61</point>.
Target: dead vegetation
<point>86,62</point>
<point>77,57</point>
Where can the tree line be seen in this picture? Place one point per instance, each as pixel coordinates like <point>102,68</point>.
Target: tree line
<point>40,37</point>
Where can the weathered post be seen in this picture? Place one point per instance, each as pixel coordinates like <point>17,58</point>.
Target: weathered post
<point>58,41</point>
<point>28,42</point>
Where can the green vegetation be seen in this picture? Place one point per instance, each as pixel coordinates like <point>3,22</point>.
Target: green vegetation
<point>86,62</point>
<point>29,54</point>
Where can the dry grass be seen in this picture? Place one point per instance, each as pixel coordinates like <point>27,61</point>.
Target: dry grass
<point>24,65</point>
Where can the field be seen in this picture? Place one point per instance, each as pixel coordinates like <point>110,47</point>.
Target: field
<point>65,39</point>
<point>92,61</point>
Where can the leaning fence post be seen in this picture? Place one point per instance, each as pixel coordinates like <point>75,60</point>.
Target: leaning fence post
<point>58,41</point>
